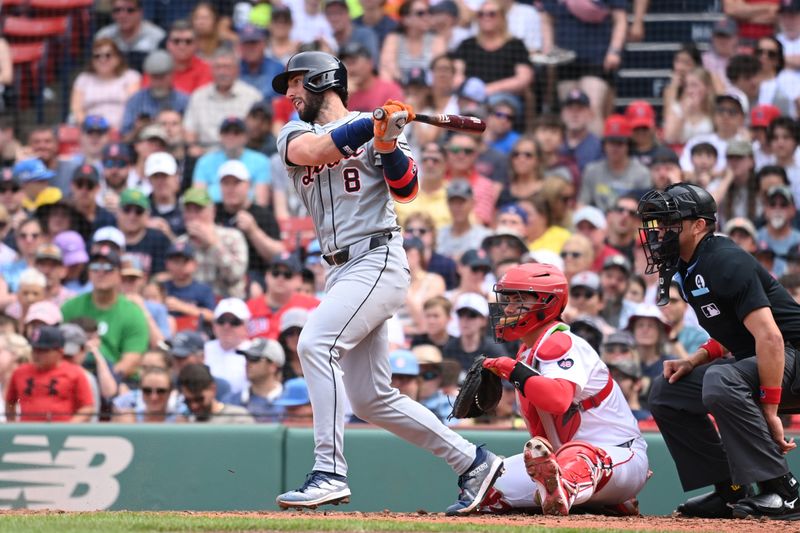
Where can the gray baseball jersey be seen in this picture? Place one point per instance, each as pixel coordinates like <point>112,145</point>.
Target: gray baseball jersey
<point>348,200</point>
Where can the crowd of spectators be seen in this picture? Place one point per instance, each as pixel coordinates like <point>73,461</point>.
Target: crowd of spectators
<point>149,276</point>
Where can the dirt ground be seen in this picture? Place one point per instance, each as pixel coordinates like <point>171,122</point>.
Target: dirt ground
<point>646,523</point>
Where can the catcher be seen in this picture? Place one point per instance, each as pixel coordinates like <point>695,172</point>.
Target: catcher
<point>586,447</point>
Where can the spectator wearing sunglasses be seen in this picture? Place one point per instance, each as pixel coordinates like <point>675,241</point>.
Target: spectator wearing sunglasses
<point>264,363</point>
<point>83,193</point>
<point>121,323</point>
<point>586,300</point>
<point>155,403</point>
<point>432,196</point>
<point>430,393</point>
<point>230,331</point>
<point>116,169</point>
<point>623,225</point>
<point>134,36</point>
<point>472,312</point>
<point>283,279</point>
<point>141,240</point>
<point>405,373</point>
<point>503,111</point>
<point>462,155</point>
<point>421,225</point>
<point>199,391</point>
<point>455,239</point>
<point>591,222</point>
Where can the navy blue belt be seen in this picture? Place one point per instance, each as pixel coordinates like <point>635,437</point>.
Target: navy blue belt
<point>342,255</point>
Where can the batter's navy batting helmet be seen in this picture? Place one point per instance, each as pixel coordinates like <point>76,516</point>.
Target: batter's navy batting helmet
<point>321,72</point>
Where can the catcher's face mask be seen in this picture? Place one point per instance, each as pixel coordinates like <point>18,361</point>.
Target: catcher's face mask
<point>518,312</point>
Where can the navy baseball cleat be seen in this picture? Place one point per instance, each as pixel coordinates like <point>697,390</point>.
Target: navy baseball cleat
<point>320,488</point>
<point>475,483</point>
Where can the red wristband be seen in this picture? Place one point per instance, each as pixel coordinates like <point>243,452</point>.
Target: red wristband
<point>714,349</point>
<point>770,395</point>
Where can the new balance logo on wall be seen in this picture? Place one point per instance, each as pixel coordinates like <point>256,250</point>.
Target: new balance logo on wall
<point>74,473</point>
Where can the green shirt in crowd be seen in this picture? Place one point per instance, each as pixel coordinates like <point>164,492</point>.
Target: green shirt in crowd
<point>122,327</point>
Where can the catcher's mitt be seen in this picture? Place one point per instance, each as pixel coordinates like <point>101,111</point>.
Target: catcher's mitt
<point>480,392</point>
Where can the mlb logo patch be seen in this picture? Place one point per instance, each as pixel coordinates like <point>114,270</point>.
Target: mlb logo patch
<point>566,364</point>
<point>710,310</point>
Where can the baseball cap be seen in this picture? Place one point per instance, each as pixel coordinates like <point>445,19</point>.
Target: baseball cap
<point>739,148</point>
<point>49,251</point>
<point>474,301</point>
<point>95,123</point>
<point>109,234</point>
<point>504,99</point>
<point>459,189</point>
<point>629,367</point>
<point>197,196</point>
<point>180,248</point>
<point>781,190</point>
<point>234,306</point>
<point>158,62</point>
<point>185,343</point>
<point>251,33</point>
<point>131,265</point>
<point>295,393</point>
<point>153,131</point>
<point>514,209</point>
<point>32,170</point>
<point>235,168</point>
<point>115,152</point>
<point>354,49</point>
<point>415,77</point>
<point>476,259</point>
<point>335,2</point>
<point>134,197</point>
<point>587,279</point>
<point>762,115</point>
<point>623,338</point>
<point>294,317</point>
<point>288,260</point>
<point>86,172</point>
<point>160,163</point>
<point>233,122</point>
<point>589,214</point>
<point>640,114</point>
<point>261,107</point>
<point>793,253</point>
<point>427,354</point>
<point>789,6</point>
<point>263,349</point>
<point>73,248</point>
<point>736,97</point>
<point>473,89</point>
<point>74,338</point>
<point>665,155</point>
<point>763,248</point>
<point>448,7</point>
<point>740,223</point>
<point>44,311</point>
<point>645,310</point>
<point>505,231</point>
<point>413,243</point>
<point>616,127</point>
<point>47,338</point>
<point>104,252</point>
<point>403,363</point>
<point>575,96</point>
<point>725,26</point>
<point>618,261</point>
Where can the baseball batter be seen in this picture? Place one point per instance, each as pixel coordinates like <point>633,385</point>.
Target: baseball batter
<point>586,447</point>
<point>348,168</point>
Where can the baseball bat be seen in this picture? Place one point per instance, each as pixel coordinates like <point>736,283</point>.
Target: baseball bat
<point>448,122</point>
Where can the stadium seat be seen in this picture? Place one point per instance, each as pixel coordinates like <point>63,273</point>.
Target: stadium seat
<point>28,58</point>
<point>297,232</point>
<point>68,139</point>
<point>35,28</point>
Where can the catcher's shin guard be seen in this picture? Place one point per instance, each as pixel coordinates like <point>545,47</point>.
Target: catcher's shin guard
<point>567,476</point>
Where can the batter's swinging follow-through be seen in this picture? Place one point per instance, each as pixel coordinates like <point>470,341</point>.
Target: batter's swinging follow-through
<point>348,168</point>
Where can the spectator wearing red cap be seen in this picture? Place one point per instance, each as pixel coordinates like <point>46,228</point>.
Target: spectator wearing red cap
<point>618,173</point>
<point>760,118</point>
<point>642,119</point>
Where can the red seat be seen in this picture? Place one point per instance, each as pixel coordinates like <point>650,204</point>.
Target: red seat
<point>297,232</point>
<point>58,5</point>
<point>186,323</point>
<point>68,139</point>
<point>35,28</point>
<point>26,52</point>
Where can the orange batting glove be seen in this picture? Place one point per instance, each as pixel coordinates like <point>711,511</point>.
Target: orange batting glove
<point>388,129</point>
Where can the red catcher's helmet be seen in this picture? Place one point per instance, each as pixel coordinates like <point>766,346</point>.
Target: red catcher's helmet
<point>528,296</point>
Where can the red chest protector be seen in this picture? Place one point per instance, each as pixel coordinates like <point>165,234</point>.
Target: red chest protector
<point>553,345</point>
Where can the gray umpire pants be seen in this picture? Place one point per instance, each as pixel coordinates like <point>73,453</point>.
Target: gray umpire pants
<point>344,347</point>
<point>743,450</point>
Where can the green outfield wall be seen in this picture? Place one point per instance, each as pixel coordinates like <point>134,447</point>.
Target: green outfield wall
<point>197,467</point>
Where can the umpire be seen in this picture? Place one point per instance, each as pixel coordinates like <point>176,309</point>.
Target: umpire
<point>747,313</point>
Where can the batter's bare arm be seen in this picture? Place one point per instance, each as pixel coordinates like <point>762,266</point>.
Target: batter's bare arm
<point>311,149</point>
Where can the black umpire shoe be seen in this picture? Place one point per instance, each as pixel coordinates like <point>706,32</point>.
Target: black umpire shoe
<point>779,499</point>
<point>715,504</point>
